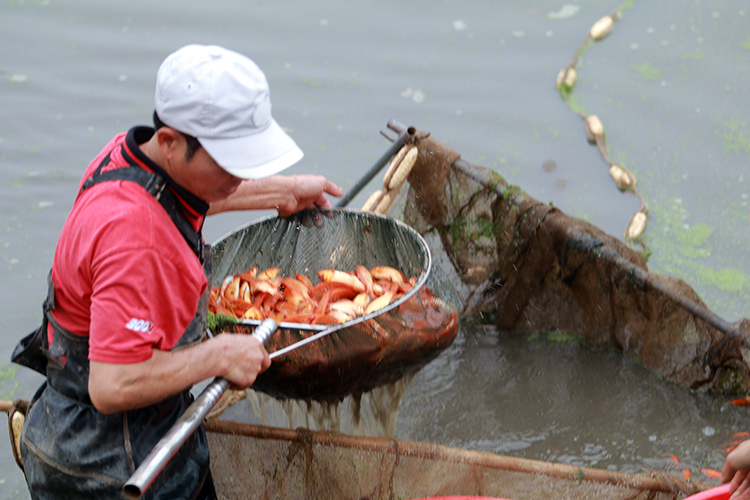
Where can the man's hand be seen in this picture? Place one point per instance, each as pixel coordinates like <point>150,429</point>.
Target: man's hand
<point>246,359</point>
<point>286,194</point>
<point>736,468</point>
<point>306,191</point>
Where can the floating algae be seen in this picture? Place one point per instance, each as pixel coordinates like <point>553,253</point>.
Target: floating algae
<point>736,136</point>
<point>646,72</point>
<point>685,249</point>
<point>8,383</point>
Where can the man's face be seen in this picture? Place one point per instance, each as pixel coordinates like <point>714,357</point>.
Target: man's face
<point>202,176</point>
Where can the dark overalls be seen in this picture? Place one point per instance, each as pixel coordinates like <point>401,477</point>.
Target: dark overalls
<point>72,451</point>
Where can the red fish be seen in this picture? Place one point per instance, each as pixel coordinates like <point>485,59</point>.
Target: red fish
<point>713,474</point>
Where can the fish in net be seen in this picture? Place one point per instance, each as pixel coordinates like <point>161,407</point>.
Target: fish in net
<point>361,354</point>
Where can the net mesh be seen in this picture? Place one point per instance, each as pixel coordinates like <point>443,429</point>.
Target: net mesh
<point>364,353</point>
<point>530,267</point>
<point>264,462</point>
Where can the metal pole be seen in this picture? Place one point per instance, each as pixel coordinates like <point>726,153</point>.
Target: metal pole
<point>165,449</point>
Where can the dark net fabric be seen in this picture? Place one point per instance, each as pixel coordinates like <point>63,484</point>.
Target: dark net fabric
<point>364,353</point>
<point>532,268</point>
<point>246,461</point>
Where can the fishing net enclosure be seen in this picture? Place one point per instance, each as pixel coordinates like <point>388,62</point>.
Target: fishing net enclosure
<point>369,351</point>
<point>264,462</point>
<point>530,267</point>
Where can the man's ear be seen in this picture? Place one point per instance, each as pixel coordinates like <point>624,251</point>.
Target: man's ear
<point>169,142</point>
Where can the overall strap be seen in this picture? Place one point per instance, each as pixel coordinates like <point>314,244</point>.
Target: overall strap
<point>155,185</point>
<point>31,351</point>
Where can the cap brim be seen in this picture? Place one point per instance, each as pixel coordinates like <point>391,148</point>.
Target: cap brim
<point>254,156</point>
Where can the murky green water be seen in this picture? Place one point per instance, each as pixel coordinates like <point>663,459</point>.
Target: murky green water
<point>669,84</point>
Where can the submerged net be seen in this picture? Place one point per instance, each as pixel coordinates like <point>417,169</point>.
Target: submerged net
<point>533,268</point>
<point>263,462</point>
<point>370,351</point>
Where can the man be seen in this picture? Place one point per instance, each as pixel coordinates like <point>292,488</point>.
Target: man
<point>125,314</point>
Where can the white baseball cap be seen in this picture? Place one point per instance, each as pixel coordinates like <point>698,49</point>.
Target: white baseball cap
<point>222,98</point>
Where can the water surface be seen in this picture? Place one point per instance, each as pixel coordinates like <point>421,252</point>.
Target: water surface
<point>669,84</point>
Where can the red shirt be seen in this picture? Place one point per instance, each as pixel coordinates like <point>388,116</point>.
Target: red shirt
<point>123,273</point>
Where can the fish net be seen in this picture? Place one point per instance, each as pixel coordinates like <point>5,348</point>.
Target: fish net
<point>369,351</point>
<point>529,267</point>
<point>249,462</point>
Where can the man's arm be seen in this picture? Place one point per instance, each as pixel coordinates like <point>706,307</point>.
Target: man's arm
<point>121,387</point>
<point>286,194</point>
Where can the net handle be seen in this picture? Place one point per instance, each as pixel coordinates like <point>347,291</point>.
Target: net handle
<point>173,440</point>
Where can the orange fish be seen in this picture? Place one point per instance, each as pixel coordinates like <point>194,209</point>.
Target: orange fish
<point>713,474</point>
<point>380,302</point>
<point>734,443</point>
<point>257,294</point>
<point>387,273</point>
<point>342,277</point>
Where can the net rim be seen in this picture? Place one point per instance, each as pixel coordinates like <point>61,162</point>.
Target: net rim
<point>421,281</point>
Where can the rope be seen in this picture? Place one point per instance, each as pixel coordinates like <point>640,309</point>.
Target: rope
<point>624,179</point>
